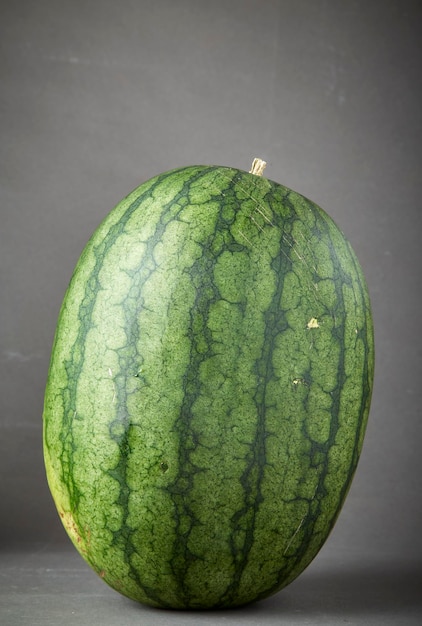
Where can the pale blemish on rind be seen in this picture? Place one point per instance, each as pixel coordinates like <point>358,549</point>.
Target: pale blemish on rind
<point>73,531</point>
<point>313,323</point>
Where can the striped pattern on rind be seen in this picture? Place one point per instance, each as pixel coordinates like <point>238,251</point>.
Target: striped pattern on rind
<point>209,389</point>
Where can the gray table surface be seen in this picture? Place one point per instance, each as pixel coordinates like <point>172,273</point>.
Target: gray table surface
<point>46,584</point>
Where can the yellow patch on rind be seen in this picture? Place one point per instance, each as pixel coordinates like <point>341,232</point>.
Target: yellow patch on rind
<point>72,530</point>
<point>313,323</point>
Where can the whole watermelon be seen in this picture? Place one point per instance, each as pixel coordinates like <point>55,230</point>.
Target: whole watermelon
<point>209,389</point>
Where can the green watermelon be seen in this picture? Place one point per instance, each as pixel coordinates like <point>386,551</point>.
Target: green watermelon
<point>209,389</point>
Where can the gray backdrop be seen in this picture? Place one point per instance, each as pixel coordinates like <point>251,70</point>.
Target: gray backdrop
<point>96,97</point>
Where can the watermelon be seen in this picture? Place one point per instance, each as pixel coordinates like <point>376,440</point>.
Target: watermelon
<point>208,390</point>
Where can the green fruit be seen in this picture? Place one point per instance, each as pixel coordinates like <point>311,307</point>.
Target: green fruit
<point>209,389</point>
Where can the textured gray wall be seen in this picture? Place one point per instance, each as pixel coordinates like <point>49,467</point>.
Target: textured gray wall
<point>96,97</point>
